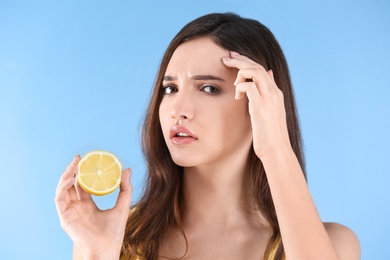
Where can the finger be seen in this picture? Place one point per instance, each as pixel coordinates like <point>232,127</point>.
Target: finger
<point>63,192</point>
<point>81,194</point>
<point>62,197</point>
<point>257,75</point>
<point>271,80</point>
<point>125,194</point>
<point>245,61</point>
<point>248,70</point>
<point>271,74</point>
<point>250,90</point>
<point>72,192</point>
<point>70,171</point>
<point>239,61</point>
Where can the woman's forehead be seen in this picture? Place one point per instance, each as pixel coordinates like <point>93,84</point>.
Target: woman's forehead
<point>198,56</point>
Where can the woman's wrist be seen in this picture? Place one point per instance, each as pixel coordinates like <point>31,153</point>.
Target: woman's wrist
<point>277,153</point>
<point>80,252</point>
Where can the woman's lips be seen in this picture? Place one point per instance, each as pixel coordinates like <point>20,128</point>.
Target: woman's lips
<point>181,135</point>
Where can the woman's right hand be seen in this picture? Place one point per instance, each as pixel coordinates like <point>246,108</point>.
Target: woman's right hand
<point>98,234</point>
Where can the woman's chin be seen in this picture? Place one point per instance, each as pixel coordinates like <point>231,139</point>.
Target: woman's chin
<point>183,163</point>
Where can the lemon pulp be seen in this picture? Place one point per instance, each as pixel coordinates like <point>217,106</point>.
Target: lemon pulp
<point>99,172</point>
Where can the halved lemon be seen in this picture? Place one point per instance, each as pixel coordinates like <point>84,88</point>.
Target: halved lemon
<point>99,172</point>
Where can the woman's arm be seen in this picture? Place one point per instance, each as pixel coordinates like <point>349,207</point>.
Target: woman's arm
<point>303,233</point>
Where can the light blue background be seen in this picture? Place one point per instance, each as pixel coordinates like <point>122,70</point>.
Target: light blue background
<point>76,76</point>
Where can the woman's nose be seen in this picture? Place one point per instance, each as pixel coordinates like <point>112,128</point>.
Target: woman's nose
<point>182,107</point>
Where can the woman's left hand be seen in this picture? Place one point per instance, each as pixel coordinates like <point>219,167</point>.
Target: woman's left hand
<point>266,104</point>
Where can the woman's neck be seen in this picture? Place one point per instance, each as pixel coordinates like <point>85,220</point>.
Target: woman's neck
<point>216,195</point>
<point>217,212</point>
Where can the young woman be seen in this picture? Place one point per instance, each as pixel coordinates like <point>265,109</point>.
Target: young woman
<point>226,175</point>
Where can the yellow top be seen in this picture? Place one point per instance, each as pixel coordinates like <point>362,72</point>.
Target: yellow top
<point>270,257</point>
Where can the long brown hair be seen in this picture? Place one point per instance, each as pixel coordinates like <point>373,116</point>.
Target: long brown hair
<point>161,204</point>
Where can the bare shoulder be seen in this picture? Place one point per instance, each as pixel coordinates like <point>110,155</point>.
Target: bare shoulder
<point>344,240</point>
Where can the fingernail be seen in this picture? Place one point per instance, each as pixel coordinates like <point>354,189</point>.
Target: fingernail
<point>234,54</point>
<point>75,159</point>
<point>129,170</point>
<point>225,59</point>
<point>236,97</point>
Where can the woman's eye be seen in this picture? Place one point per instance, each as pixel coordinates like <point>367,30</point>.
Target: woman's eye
<point>211,89</point>
<point>169,89</point>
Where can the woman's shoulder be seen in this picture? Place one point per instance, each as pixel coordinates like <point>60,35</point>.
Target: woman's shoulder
<point>344,240</point>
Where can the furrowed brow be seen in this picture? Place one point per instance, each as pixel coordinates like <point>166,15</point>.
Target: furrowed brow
<point>207,77</point>
<point>168,78</point>
<point>196,77</point>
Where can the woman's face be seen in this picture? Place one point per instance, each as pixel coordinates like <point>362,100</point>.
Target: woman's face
<point>201,121</point>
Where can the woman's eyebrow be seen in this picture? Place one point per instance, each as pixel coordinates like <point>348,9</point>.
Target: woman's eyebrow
<point>207,77</point>
<point>196,77</point>
<point>168,78</point>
